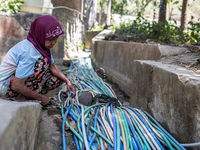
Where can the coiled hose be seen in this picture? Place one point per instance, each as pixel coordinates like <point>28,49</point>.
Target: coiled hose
<point>113,126</point>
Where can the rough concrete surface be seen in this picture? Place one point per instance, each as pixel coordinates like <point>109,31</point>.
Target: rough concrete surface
<point>117,58</point>
<point>88,38</point>
<point>19,125</point>
<point>171,94</point>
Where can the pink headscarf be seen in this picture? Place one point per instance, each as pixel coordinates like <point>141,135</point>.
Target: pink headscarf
<point>44,28</point>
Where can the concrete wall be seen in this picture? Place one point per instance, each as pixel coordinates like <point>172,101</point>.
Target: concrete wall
<point>14,29</point>
<point>89,35</point>
<point>37,6</point>
<point>19,125</point>
<point>169,93</point>
<point>117,57</point>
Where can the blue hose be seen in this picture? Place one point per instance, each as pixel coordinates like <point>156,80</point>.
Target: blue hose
<point>76,142</point>
<point>105,135</point>
<point>63,127</point>
<point>95,126</point>
<point>133,132</point>
<point>150,131</point>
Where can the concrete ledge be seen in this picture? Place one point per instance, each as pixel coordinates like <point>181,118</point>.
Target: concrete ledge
<point>170,50</point>
<point>19,122</point>
<point>117,57</point>
<point>88,38</point>
<point>171,94</point>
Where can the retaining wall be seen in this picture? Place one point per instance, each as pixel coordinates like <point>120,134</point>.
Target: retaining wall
<point>117,57</point>
<point>19,125</point>
<point>169,93</point>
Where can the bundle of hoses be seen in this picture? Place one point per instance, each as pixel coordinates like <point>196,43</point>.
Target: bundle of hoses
<point>108,126</point>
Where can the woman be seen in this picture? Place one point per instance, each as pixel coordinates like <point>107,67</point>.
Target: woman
<point>28,70</point>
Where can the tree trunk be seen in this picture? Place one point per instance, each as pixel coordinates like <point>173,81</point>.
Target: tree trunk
<point>94,13</point>
<point>162,12</point>
<point>183,14</point>
<point>89,5</point>
<point>100,14</point>
<point>108,13</point>
<point>82,9</point>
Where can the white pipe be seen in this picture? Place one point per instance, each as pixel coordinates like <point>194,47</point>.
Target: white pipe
<point>83,128</point>
<point>191,144</point>
<point>65,7</point>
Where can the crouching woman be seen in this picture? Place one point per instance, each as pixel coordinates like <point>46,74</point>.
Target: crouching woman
<point>28,71</point>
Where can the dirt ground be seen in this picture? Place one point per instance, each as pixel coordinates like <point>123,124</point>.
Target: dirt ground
<point>189,60</point>
<point>121,96</point>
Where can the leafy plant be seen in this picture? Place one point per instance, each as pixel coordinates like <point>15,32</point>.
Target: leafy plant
<point>119,7</point>
<point>10,6</point>
<point>170,34</point>
<point>194,32</point>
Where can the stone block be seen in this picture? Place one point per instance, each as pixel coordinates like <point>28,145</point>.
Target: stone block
<point>19,122</point>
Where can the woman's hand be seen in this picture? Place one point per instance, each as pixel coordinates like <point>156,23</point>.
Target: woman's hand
<point>56,72</point>
<point>44,100</point>
<point>19,86</point>
<point>71,89</point>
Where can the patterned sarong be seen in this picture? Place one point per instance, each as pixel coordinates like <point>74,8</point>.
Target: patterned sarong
<point>41,81</point>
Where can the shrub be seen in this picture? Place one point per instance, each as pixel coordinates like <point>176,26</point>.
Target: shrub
<point>10,6</point>
<point>170,34</point>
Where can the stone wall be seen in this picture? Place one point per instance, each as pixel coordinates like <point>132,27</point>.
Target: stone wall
<point>11,32</point>
<point>72,23</point>
<point>117,59</point>
<point>70,19</point>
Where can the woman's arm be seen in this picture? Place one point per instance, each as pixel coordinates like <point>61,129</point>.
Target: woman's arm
<point>56,72</point>
<point>19,86</point>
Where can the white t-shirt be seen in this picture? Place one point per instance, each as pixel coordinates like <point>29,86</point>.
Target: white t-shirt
<point>20,59</point>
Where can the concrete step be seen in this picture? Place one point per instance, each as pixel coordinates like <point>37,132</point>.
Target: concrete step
<point>19,122</point>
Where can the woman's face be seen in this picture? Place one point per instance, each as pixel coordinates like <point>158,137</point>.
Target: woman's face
<point>50,43</point>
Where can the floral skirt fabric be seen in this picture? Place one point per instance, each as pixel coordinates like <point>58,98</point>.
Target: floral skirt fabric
<point>41,81</point>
